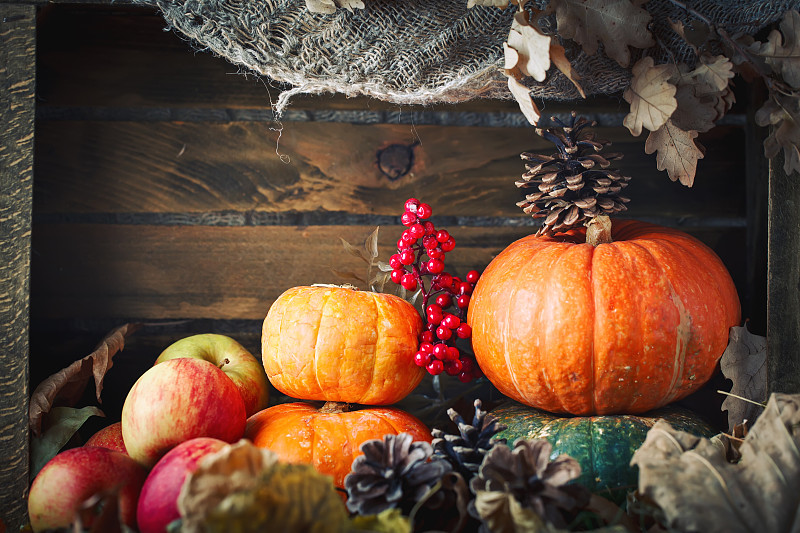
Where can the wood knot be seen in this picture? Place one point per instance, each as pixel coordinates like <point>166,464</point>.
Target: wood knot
<point>396,160</point>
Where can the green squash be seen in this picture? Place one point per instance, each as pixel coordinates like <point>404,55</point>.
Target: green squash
<point>602,445</point>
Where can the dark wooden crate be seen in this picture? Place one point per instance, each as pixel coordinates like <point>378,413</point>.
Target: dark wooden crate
<point>164,192</point>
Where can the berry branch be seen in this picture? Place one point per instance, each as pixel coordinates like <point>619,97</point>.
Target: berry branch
<point>419,264</point>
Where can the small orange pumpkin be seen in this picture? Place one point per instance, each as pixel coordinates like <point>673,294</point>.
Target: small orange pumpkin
<point>343,345</point>
<point>622,327</point>
<point>329,437</point>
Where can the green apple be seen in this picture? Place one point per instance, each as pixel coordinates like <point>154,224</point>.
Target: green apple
<point>240,365</point>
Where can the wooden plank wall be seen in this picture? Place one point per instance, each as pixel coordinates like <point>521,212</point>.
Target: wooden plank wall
<point>166,192</point>
<point>17,79</point>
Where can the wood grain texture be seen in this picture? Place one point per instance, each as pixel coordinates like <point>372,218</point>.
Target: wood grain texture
<point>163,272</point>
<point>163,167</point>
<point>783,281</point>
<point>17,79</point>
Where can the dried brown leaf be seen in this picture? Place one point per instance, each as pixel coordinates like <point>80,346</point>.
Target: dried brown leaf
<point>495,3</point>
<point>782,49</point>
<point>699,490</point>
<point>66,386</point>
<point>713,74</point>
<point>371,245</point>
<point>532,46</point>
<point>511,60</point>
<point>693,113</point>
<point>744,362</point>
<point>559,58</point>
<point>651,95</point>
<point>387,521</point>
<point>355,251</point>
<point>744,54</point>
<point>454,482</point>
<point>328,7</point>
<point>677,152</point>
<point>501,512</point>
<point>233,468</point>
<point>246,489</point>
<point>782,112</point>
<point>526,104</point>
<point>618,24</point>
<point>695,35</point>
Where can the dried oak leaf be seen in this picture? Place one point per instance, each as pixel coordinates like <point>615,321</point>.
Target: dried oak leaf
<point>744,362</point>
<point>523,97</point>
<point>782,112</point>
<point>495,3</point>
<point>695,35</point>
<point>532,46</point>
<point>693,113</point>
<point>388,521</point>
<point>713,74</point>
<point>782,49</point>
<point>369,254</point>
<point>328,7</point>
<point>558,56</point>
<point>618,24</point>
<point>246,489</point>
<point>651,95</point>
<point>698,109</point>
<point>699,490</point>
<point>67,385</point>
<point>677,152</point>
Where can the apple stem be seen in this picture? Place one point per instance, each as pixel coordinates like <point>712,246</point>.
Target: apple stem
<point>334,407</point>
<point>224,362</point>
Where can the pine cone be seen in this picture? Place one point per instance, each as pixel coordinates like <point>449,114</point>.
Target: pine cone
<point>393,473</point>
<point>570,186</point>
<point>535,483</point>
<point>466,450</point>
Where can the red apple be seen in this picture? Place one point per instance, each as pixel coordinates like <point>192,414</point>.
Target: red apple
<point>240,365</point>
<point>75,475</point>
<point>109,437</point>
<point>158,501</point>
<point>178,400</point>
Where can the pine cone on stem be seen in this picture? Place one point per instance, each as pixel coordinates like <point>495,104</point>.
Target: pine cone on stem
<point>465,451</point>
<point>574,184</point>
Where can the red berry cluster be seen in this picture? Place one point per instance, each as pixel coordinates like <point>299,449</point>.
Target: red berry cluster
<point>420,254</point>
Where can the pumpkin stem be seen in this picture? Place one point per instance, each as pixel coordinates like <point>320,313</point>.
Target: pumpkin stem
<point>334,286</point>
<point>334,407</point>
<point>598,230</point>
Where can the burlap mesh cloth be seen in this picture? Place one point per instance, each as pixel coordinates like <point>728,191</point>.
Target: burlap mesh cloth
<point>420,51</point>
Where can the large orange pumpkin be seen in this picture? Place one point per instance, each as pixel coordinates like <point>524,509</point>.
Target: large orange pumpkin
<point>621,327</point>
<point>328,437</point>
<point>341,344</point>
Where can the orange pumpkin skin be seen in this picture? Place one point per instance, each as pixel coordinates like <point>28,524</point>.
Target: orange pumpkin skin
<point>342,345</point>
<point>624,327</point>
<point>301,433</point>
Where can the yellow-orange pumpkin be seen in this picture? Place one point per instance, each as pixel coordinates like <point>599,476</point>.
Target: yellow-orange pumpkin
<point>341,344</point>
<point>623,327</point>
<point>329,437</point>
